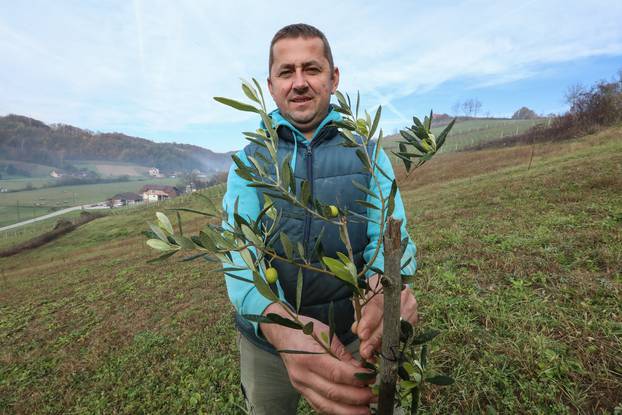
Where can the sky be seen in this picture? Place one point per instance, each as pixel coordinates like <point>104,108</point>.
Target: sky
<point>151,68</point>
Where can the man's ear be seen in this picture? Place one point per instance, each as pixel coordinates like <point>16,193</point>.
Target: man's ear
<point>335,80</point>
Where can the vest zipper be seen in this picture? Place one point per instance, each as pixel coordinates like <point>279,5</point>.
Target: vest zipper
<point>309,157</point>
<point>307,226</point>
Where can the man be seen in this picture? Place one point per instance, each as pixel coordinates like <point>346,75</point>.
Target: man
<point>302,78</point>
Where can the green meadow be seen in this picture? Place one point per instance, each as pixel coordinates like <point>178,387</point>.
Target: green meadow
<point>519,267</point>
<point>24,182</point>
<point>16,206</point>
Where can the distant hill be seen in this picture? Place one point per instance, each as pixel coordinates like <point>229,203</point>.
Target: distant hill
<point>29,140</point>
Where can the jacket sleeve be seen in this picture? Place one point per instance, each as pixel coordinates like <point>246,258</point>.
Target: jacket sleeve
<point>244,296</point>
<point>373,229</point>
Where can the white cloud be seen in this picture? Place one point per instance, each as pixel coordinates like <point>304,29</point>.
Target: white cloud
<point>495,42</point>
<point>157,65</point>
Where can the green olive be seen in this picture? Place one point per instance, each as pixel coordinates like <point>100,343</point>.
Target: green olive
<point>272,275</point>
<point>361,125</point>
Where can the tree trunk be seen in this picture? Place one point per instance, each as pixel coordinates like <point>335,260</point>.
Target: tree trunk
<point>392,287</point>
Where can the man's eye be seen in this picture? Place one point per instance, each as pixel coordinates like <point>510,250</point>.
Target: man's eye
<point>285,73</point>
<point>313,70</point>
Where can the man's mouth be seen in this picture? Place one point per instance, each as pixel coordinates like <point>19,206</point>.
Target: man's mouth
<point>299,100</point>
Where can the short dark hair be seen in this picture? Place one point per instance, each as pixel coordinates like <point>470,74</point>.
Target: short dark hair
<point>305,31</point>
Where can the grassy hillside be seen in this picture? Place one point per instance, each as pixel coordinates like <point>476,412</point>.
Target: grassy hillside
<point>112,168</point>
<point>23,182</point>
<point>519,268</point>
<point>40,174</point>
<point>471,132</point>
<point>35,170</point>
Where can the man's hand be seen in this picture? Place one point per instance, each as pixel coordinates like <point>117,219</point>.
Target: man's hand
<point>369,328</point>
<point>328,384</point>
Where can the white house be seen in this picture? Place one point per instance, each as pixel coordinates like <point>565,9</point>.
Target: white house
<point>125,199</point>
<point>154,192</point>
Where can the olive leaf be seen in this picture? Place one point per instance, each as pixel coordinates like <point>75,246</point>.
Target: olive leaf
<point>440,380</point>
<point>340,270</point>
<point>160,245</point>
<point>236,104</point>
<point>164,223</point>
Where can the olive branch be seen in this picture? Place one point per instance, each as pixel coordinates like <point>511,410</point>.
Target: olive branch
<point>404,354</point>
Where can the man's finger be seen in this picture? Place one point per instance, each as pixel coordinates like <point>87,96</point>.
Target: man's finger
<point>372,343</point>
<point>325,406</point>
<point>371,318</point>
<point>409,307</point>
<point>339,371</point>
<point>343,355</point>
<point>410,311</point>
<point>337,392</point>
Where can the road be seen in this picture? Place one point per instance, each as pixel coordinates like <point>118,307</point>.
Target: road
<point>51,215</point>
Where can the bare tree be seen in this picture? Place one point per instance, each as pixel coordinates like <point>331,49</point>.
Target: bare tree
<point>455,109</point>
<point>477,106</point>
<point>466,107</point>
<point>471,107</point>
<point>573,94</point>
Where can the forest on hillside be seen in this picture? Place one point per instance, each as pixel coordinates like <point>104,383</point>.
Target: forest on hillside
<point>29,140</point>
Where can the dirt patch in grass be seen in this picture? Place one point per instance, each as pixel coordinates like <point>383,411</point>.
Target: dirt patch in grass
<point>62,228</point>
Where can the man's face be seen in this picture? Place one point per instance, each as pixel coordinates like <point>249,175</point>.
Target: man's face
<point>301,82</point>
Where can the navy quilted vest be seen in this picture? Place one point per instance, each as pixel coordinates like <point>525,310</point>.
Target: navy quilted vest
<point>331,168</point>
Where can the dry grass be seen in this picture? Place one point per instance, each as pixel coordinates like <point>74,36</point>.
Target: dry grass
<point>468,164</point>
<point>519,269</point>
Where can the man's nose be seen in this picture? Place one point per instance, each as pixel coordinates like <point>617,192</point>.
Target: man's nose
<point>300,81</point>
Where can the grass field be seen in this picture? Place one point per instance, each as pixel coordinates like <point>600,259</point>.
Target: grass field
<point>470,132</point>
<point>112,168</point>
<point>41,173</point>
<point>36,170</point>
<point>519,268</point>
<point>22,182</point>
<point>42,201</point>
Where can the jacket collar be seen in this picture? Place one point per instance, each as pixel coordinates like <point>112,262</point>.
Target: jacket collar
<point>287,131</point>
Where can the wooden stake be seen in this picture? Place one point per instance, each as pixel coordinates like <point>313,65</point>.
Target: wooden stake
<point>392,286</point>
<point>533,148</point>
